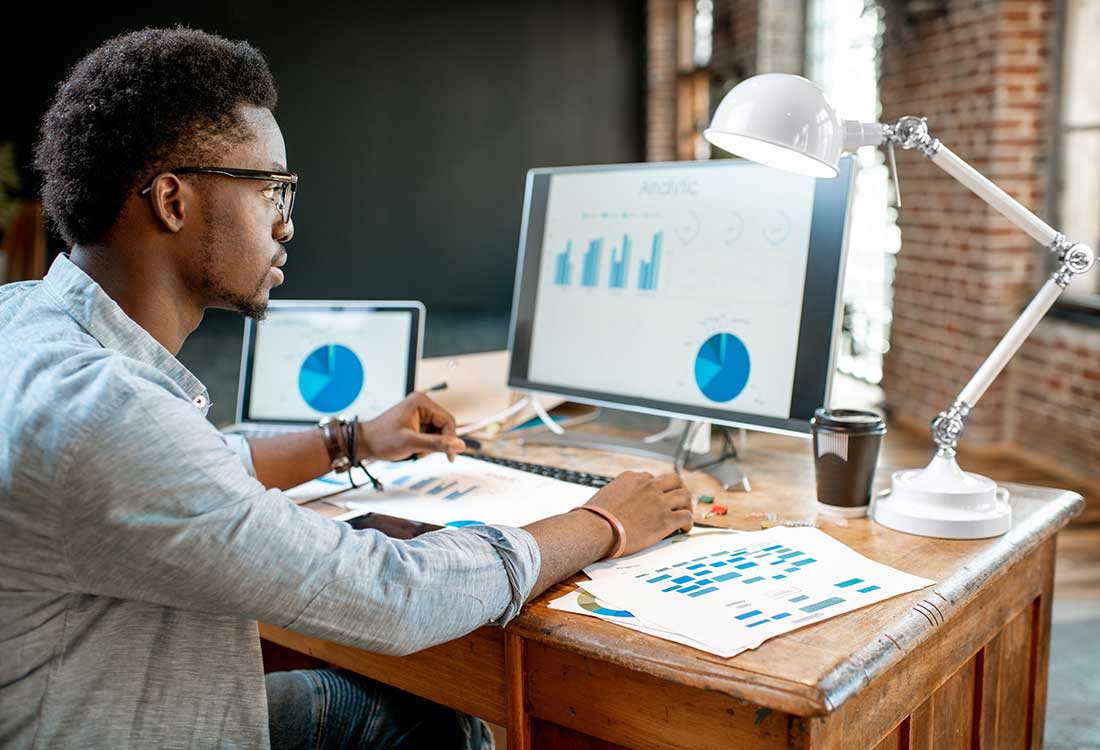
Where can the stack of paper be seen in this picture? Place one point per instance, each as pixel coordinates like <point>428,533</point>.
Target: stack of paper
<point>463,493</point>
<point>727,593</point>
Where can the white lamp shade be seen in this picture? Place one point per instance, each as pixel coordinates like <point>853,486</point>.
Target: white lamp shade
<point>780,120</point>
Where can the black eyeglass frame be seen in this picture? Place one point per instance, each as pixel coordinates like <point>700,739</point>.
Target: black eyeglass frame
<point>285,205</point>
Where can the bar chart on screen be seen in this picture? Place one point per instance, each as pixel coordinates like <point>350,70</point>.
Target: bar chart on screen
<point>618,264</point>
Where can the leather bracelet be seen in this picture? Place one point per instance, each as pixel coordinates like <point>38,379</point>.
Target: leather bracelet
<point>331,429</point>
<point>351,439</point>
<point>616,526</point>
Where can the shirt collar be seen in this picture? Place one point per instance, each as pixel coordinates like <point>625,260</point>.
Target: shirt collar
<point>86,302</point>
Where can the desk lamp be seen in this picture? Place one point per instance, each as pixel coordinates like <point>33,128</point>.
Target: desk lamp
<point>787,122</point>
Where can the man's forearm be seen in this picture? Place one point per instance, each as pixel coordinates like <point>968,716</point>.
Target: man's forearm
<point>286,461</point>
<point>567,543</point>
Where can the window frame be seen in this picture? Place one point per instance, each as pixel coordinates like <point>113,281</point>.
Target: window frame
<point>1077,308</point>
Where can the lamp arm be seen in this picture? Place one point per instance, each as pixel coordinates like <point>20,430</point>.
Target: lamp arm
<point>1072,259</point>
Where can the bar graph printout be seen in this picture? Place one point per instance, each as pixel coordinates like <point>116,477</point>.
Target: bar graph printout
<point>463,493</point>
<point>582,603</point>
<point>734,591</point>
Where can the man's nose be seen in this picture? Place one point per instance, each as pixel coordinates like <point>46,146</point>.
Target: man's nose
<point>284,231</point>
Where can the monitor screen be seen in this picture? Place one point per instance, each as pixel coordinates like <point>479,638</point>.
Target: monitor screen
<point>306,360</point>
<point>708,290</point>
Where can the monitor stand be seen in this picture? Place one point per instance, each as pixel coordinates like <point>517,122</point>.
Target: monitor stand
<point>719,464</point>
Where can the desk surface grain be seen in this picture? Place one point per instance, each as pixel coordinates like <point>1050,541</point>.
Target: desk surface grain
<point>815,670</point>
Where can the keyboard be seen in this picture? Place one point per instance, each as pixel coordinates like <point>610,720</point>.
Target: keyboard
<point>554,472</point>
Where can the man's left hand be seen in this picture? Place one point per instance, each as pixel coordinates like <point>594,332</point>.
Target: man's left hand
<point>415,426</point>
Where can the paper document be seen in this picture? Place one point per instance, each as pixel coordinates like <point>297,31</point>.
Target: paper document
<point>582,603</point>
<point>463,493</point>
<point>733,591</point>
<point>642,560</point>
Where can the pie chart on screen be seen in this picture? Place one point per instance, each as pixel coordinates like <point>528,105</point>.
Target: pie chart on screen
<point>330,378</point>
<point>722,367</point>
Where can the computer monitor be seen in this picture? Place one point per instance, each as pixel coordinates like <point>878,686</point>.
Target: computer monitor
<point>702,290</point>
<point>308,359</point>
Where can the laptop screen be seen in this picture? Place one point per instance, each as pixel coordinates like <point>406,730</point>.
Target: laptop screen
<point>305,360</point>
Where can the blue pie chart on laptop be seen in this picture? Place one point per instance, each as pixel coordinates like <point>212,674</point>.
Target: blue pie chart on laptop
<point>331,378</point>
<point>722,367</point>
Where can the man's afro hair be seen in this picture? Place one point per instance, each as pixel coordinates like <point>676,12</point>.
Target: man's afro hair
<point>140,104</point>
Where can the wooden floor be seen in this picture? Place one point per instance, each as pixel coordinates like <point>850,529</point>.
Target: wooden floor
<point>1077,575</point>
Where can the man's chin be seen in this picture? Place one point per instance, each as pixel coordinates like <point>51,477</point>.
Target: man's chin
<point>254,307</point>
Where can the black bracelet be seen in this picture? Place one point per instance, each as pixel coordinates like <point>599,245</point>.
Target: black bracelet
<point>351,439</point>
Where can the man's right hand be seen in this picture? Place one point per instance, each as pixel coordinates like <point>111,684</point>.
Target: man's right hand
<point>649,508</point>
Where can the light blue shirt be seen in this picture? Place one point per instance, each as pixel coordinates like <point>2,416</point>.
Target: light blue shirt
<point>137,551</point>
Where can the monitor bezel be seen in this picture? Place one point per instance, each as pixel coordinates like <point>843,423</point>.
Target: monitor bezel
<point>248,346</point>
<point>822,234</point>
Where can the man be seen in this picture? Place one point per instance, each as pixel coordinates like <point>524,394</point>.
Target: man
<point>140,545</point>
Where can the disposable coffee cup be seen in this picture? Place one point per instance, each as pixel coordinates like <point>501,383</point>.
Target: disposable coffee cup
<point>846,445</point>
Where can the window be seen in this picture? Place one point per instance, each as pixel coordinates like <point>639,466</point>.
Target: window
<point>841,56</point>
<point>1076,178</point>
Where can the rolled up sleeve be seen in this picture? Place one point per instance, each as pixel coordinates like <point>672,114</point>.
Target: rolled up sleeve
<point>170,515</point>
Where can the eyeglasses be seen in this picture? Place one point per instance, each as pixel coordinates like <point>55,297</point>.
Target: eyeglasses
<point>282,194</point>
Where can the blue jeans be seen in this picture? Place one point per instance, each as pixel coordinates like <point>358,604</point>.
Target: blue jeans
<point>328,709</point>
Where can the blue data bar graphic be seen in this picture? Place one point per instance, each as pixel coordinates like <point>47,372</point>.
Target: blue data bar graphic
<point>456,494</point>
<point>620,262</point>
<point>563,271</point>
<point>590,275</point>
<point>647,271</point>
<point>822,604</point>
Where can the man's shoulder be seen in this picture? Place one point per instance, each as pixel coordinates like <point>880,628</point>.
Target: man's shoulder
<point>54,390</point>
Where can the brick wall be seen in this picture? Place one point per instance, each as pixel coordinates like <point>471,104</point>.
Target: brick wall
<point>979,70</point>
<point>1056,387</point>
<point>781,38</point>
<point>661,44</point>
<point>735,42</point>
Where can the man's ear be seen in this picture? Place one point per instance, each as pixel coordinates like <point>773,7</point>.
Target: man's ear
<point>168,199</point>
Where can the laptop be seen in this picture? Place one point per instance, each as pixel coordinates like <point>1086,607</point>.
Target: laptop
<point>308,359</point>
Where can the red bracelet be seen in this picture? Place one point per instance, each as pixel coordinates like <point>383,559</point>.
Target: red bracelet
<point>620,532</point>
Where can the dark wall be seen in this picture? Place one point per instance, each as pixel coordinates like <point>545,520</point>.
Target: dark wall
<point>411,125</point>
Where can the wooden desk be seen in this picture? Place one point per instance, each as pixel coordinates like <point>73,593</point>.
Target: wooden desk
<point>962,664</point>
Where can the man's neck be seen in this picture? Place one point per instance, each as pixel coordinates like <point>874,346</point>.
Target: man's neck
<point>151,294</point>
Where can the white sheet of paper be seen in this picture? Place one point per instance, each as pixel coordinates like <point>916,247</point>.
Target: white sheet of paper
<point>730,591</point>
<point>462,493</point>
<point>640,560</point>
<point>581,603</point>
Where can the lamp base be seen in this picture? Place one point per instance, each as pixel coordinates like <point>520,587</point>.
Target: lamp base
<point>941,500</point>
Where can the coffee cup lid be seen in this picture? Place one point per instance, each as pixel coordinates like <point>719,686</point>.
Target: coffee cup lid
<point>848,420</point>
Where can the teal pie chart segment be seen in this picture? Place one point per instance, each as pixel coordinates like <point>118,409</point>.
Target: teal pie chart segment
<point>331,378</point>
<point>722,367</point>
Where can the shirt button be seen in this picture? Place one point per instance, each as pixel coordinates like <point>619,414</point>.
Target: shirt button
<point>200,401</point>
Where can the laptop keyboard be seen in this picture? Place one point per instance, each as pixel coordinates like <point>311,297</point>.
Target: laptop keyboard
<point>565,475</point>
